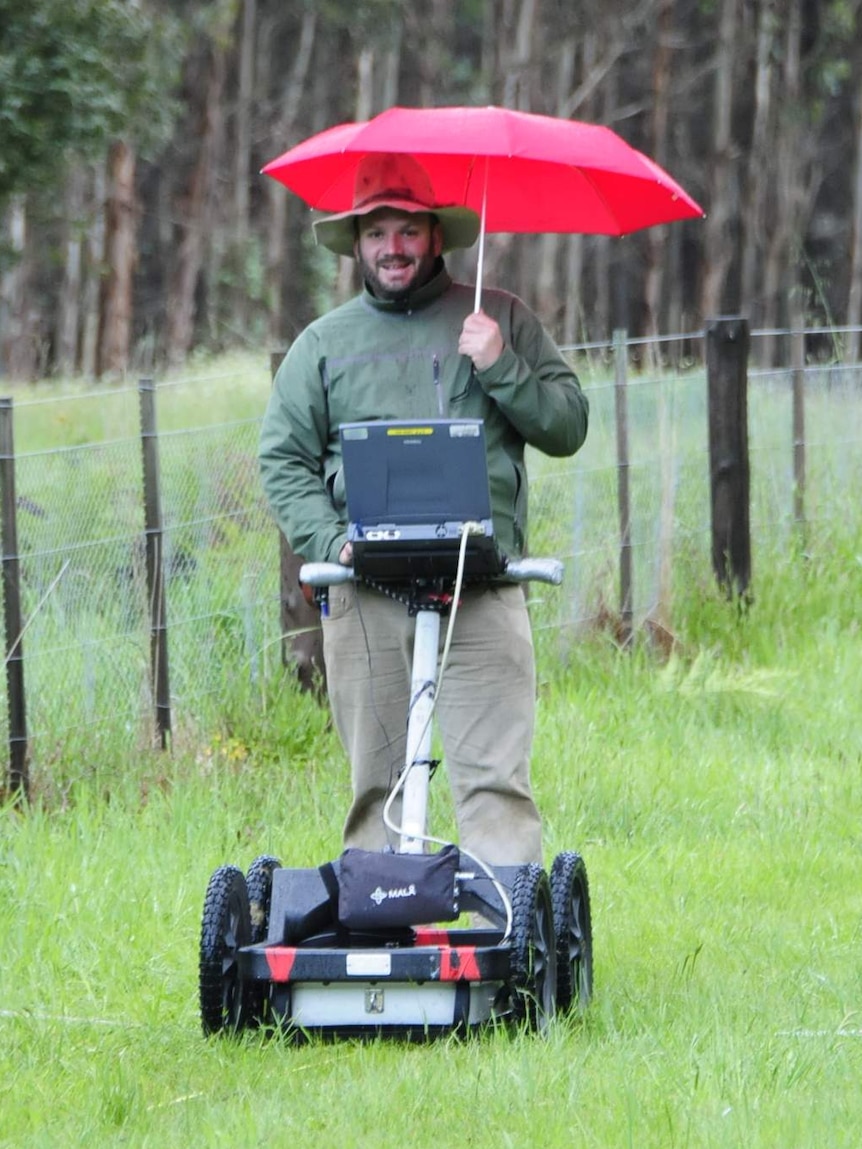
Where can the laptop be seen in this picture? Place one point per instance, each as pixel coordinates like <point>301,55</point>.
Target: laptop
<point>411,486</point>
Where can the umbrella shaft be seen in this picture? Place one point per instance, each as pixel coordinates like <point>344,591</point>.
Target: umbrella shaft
<point>481,265</point>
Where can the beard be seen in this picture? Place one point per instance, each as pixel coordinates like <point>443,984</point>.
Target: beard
<point>423,269</point>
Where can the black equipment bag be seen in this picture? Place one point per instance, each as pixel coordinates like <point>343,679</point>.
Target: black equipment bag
<point>377,890</point>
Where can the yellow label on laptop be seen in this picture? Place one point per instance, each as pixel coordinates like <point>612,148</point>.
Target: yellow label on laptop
<point>409,430</point>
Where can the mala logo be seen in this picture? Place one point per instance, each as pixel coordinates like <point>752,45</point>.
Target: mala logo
<point>380,895</point>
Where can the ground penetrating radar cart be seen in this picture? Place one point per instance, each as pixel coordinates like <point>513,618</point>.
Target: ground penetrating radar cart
<point>374,942</point>
<point>274,950</point>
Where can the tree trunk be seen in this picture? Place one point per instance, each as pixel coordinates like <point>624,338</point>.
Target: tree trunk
<point>392,64</point>
<point>601,253</point>
<point>346,281</point>
<point>718,245</point>
<point>573,320</point>
<point>854,300</point>
<point>195,213</point>
<point>760,164</point>
<point>678,320</point>
<point>657,236</point>
<point>239,231</point>
<point>490,43</point>
<point>278,197</point>
<point>364,84</point>
<point>780,276</point>
<point>551,296</point>
<point>115,310</point>
<point>16,350</point>
<point>95,248</point>
<point>69,299</point>
<point>242,143</point>
<point>432,24</point>
<point>276,203</point>
<point>518,34</point>
<point>518,65</point>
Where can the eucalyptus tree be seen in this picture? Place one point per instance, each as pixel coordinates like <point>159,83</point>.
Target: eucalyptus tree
<point>76,75</point>
<point>73,74</point>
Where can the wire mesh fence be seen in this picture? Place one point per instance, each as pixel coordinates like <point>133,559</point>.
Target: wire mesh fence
<point>85,640</point>
<point>575,503</point>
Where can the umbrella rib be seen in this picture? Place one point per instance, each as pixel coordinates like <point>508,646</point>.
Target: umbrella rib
<point>603,200</point>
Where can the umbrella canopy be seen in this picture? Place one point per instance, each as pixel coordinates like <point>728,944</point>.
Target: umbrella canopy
<point>543,174</point>
<point>521,172</point>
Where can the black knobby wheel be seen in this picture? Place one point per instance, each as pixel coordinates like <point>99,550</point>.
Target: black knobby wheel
<point>259,882</point>
<point>570,893</point>
<point>225,928</point>
<point>534,950</point>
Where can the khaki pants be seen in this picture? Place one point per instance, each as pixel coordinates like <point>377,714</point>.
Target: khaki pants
<point>485,713</point>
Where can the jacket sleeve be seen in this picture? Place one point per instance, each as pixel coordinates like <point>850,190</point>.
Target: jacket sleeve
<point>534,386</point>
<point>294,442</point>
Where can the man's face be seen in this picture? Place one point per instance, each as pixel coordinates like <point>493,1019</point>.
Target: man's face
<point>396,251</point>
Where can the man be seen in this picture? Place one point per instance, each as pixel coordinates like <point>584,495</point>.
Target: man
<point>410,347</point>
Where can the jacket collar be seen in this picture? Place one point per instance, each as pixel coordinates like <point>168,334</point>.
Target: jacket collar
<point>429,292</point>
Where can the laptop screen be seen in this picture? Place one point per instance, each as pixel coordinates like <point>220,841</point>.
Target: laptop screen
<point>411,486</point>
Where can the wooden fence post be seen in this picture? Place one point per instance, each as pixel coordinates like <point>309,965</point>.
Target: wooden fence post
<point>623,489</point>
<point>19,780</point>
<point>727,345</point>
<point>302,641</point>
<point>155,562</point>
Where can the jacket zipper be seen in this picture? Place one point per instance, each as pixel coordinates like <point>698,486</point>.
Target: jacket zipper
<point>437,386</point>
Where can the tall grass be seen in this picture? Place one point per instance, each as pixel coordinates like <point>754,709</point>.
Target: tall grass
<point>715,791</point>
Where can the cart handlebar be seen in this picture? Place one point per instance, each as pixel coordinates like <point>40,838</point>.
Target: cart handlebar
<point>517,570</point>
<point>534,570</point>
<point>325,574</point>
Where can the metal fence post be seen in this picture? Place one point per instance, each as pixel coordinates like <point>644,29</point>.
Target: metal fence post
<point>155,562</point>
<point>623,493</point>
<point>727,344</point>
<point>19,781</point>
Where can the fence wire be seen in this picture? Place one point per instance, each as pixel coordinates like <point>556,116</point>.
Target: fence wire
<point>81,534</point>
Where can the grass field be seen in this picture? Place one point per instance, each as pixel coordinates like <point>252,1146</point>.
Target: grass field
<point>716,796</point>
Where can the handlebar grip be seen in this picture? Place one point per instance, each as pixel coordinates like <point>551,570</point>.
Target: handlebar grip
<point>325,574</point>
<point>535,570</point>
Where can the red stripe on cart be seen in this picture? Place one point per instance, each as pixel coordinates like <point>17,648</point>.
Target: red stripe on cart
<point>427,937</point>
<point>280,960</point>
<point>458,963</point>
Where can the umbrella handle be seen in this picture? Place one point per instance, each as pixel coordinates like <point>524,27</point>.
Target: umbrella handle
<point>477,305</point>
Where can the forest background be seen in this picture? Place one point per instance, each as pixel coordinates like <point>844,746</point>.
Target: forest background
<point>135,228</point>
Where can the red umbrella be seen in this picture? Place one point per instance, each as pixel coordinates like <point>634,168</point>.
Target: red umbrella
<point>521,172</point>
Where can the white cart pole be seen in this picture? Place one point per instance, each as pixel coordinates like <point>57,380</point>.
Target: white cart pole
<point>423,687</point>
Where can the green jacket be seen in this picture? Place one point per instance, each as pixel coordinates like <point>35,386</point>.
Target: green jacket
<point>375,359</point>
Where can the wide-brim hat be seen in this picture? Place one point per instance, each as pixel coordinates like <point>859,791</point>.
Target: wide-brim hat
<point>399,182</point>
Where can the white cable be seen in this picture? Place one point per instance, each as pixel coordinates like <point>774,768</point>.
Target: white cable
<point>466,530</point>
